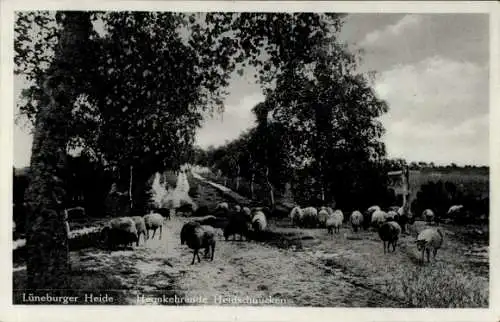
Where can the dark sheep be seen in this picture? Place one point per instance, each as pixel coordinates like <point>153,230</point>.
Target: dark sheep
<point>237,225</point>
<point>119,231</point>
<point>389,233</point>
<point>197,236</point>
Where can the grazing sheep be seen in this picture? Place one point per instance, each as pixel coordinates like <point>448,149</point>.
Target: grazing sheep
<point>296,215</point>
<point>356,220</point>
<point>237,225</point>
<point>154,221</point>
<point>393,215</point>
<point>378,218</point>
<point>389,232</point>
<point>323,216</point>
<point>334,222</point>
<point>310,217</point>
<point>119,231</point>
<point>372,209</point>
<point>428,215</point>
<point>222,205</point>
<point>428,239</point>
<point>197,236</point>
<point>140,225</point>
<point>259,221</point>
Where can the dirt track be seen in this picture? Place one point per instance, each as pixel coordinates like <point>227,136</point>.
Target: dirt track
<point>344,270</point>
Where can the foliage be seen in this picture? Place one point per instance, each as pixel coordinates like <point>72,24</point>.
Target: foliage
<point>440,195</point>
<point>437,286</point>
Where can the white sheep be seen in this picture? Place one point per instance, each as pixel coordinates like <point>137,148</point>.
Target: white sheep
<point>154,221</point>
<point>140,225</point>
<point>356,220</point>
<point>222,205</point>
<point>296,215</point>
<point>334,222</point>
<point>391,214</point>
<point>310,217</point>
<point>378,218</point>
<point>428,215</point>
<point>259,222</point>
<point>372,209</point>
<point>237,208</point>
<point>330,210</point>
<point>428,239</point>
<point>389,233</point>
<point>323,216</point>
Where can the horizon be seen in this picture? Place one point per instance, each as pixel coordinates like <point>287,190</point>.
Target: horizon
<point>432,69</point>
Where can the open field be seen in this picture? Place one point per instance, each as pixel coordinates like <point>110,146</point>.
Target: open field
<point>296,267</point>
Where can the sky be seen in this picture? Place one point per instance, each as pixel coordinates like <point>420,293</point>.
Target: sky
<point>432,70</point>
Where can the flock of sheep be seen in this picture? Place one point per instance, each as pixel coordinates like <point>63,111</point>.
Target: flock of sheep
<point>389,224</point>
<point>200,232</point>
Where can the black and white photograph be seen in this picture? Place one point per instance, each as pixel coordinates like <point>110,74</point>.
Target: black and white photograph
<point>235,158</point>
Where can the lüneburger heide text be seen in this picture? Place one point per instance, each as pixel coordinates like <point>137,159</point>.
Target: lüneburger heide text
<point>88,298</point>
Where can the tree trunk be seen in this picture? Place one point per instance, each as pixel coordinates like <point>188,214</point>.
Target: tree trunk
<point>252,193</point>
<point>238,169</point>
<point>270,187</point>
<point>130,188</point>
<point>48,263</point>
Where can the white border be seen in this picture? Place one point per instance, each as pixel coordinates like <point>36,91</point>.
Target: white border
<point>8,312</point>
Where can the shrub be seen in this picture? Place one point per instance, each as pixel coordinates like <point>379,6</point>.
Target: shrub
<point>436,285</point>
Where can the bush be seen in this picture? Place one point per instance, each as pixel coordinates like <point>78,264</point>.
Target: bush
<point>439,196</point>
<point>436,285</point>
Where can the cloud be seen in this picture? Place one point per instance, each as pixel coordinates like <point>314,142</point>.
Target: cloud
<point>438,111</point>
<point>393,30</point>
<point>237,118</point>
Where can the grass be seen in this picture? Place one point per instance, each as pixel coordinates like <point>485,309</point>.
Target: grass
<point>437,285</point>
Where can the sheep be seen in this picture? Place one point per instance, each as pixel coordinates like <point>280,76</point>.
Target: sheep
<point>206,220</point>
<point>356,220</point>
<point>378,218</point>
<point>367,216</point>
<point>428,215</point>
<point>296,215</point>
<point>238,224</point>
<point>247,212</point>
<point>222,205</point>
<point>330,210</point>
<point>389,232</point>
<point>197,236</point>
<point>394,208</point>
<point>163,211</point>
<point>391,214</point>
<point>201,211</point>
<point>428,239</point>
<point>237,208</point>
<point>323,216</point>
<point>154,221</point>
<point>119,231</point>
<point>140,225</point>
<point>259,222</point>
<point>310,217</point>
<point>334,222</point>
